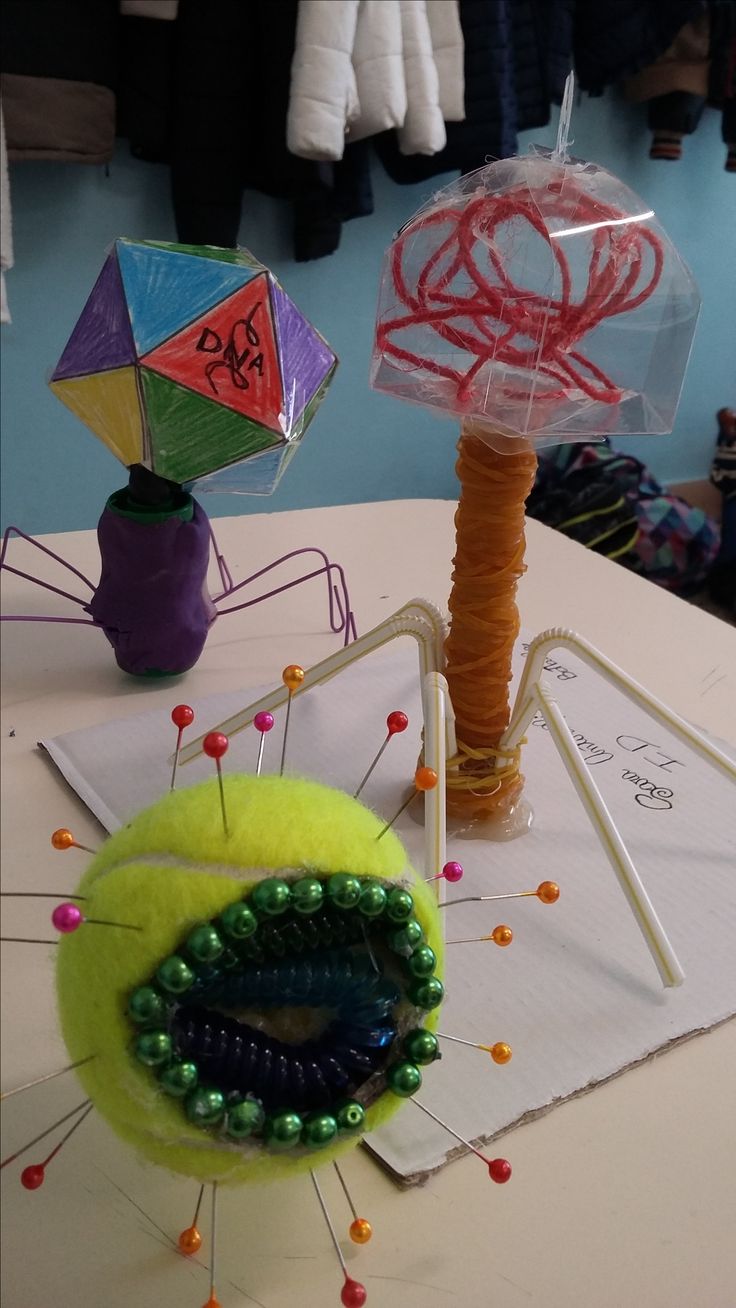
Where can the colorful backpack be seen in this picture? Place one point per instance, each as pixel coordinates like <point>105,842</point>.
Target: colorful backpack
<point>612,504</point>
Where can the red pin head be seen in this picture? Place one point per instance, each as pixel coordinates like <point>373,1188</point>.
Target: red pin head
<point>182,716</point>
<point>353,1294</point>
<point>396,722</point>
<point>499,1170</point>
<point>32,1177</point>
<point>215,744</point>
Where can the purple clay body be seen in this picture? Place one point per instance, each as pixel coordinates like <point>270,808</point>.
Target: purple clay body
<point>152,600</point>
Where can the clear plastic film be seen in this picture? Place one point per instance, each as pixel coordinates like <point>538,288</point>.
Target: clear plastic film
<point>539,297</point>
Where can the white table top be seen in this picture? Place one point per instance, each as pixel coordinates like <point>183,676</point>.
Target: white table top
<point>624,1196</point>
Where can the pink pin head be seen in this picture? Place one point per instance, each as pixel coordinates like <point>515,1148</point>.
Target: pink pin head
<point>396,722</point>
<point>353,1294</point>
<point>215,744</point>
<point>499,1170</point>
<point>182,716</point>
<point>66,918</point>
<point>263,721</point>
<point>452,872</point>
<point>32,1177</point>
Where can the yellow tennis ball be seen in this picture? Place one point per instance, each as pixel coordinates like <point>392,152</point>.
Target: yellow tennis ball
<point>256,1022</point>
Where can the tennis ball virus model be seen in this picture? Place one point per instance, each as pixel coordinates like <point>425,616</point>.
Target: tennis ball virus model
<point>269,985</point>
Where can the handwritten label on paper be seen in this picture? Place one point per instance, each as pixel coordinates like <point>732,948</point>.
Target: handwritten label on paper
<point>237,355</point>
<point>647,789</point>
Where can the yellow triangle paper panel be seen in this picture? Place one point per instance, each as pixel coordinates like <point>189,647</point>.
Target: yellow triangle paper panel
<point>107,402</point>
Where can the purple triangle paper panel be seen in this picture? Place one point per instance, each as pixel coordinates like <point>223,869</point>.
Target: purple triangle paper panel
<point>305,358</point>
<point>102,338</point>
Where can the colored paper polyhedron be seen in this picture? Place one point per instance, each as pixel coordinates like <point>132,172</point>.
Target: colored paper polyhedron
<point>193,361</point>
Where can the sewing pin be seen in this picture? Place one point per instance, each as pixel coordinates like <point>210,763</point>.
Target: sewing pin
<point>451,872</point>
<point>262,722</point>
<point>424,779</point>
<point>42,1136</point>
<point>50,1076</point>
<point>360,1230</point>
<point>182,717</point>
<point>499,1169</point>
<point>353,1294</point>
<point>63,839</point>
<point>67,918</point>
<point>213,1301</point>
<point>215,744</point>
<point>396,722</point>
<point>500,1052</point>
<point>547,892</point>
<point>39,894</point>
<point>500,935</point>
<point>190,1240</point>
<point>34,1176</point>
<point>292,677</point>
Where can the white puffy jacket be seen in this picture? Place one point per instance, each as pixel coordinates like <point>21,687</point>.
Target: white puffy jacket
<point>363,66</point>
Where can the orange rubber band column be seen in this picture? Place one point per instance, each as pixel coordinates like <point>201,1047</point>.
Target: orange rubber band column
<point>489,560</point>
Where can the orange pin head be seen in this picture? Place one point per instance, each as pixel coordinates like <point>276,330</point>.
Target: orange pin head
<point>213,1302</point>
<point>548,892</point>
<point>360,1231</point>
<point>502,935</point>
<point>500,1052</point>
<point>425,778</point>
<point>190,1241</point>
<point>292,677</point>
<point>63,839</point>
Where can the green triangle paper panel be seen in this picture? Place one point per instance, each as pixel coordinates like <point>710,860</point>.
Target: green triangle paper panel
<point>241,256</point>
<point>229,354</point>
<point>165,289</point>
<point>191,436</point>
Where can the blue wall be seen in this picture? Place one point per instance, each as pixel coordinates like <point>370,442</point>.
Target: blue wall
<point>362,446</point>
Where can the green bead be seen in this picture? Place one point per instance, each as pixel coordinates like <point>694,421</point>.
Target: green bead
<point>283,1130</point>
<point>427,994</point>
<point>271,896</point>
<point>423,961</point>
<point>239,921</point>
<point>179,1079</point>
<point>307,895</point>
<point>204,944</point>
<point>344,890</point>
<point>404,1079</point>
<point>175,975</point>
<point>319,1130</point>
<point>406,938</point>
<point>400,905</point>
<point>373,899</point>
<point>153,1048</point>
<point>244,1118</point>
<point>350,1116</point>
<point>146,1007</point>
<point>421,1046</point>
<point>205,1106</point>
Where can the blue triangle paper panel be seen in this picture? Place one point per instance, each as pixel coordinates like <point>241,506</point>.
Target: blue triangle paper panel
<point>258,475</point>
<point>167,289</point>
<point>101,339</point>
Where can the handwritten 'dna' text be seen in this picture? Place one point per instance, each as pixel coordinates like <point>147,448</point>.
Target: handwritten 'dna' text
<point>238,356</point>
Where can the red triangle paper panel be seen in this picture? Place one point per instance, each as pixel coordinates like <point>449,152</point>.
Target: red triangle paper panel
<point>229,355</point>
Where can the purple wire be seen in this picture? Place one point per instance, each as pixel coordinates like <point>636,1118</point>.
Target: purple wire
<point>342,618</point>
<point>45,549</point>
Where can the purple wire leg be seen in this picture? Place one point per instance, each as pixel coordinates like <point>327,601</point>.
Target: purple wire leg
<point>342,618</point>
<point>16,531</point>
<point>36,581</point>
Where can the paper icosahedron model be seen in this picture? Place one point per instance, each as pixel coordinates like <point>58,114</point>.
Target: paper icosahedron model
<point>193,361</point>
